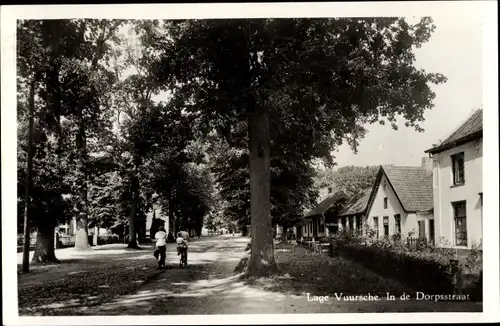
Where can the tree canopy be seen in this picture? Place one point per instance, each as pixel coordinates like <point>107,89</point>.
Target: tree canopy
<point>187,113</point>
<point>315,82</point>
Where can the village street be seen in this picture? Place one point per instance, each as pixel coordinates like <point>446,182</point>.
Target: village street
<point>110,280</point>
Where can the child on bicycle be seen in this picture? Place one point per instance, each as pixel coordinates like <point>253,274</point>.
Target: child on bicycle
<point>182,244</point>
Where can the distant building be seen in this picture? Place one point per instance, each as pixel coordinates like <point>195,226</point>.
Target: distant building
<point>155,218</point>
<point>458,187</point>
<point>401,201</point>
<point>323,219</point>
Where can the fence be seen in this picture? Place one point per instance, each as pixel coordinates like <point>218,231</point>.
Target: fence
<point>417,243</point>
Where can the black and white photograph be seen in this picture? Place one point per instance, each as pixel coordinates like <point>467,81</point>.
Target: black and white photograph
<point>250,163</point>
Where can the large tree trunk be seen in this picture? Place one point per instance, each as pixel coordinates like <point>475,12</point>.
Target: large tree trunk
<point>44,252</point>
<point>82,233</point>
<point>27,205</point>
<point>132,243</point>
<point>261,260</point>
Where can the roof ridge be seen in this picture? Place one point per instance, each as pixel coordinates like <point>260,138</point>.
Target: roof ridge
<point>461,124</point>
<point>405,166</point>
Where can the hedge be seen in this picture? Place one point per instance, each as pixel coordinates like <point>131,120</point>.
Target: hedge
<point>425,271</point>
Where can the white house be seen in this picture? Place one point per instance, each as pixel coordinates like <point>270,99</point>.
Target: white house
<point>401,201</point>
<point>458,187</point>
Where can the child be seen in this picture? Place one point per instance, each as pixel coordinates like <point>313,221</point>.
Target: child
<point>161,246</point>
<point>181,243</point>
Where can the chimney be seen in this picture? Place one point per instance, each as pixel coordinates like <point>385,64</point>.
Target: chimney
<point>427,164</point>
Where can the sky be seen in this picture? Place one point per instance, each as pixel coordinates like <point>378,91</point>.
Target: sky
<point>454,50</point>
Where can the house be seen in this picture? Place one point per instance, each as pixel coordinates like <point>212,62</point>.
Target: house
<point>155,218</point>
<point>401,201</point>
<point>323,219</point>
<point>291,232</point>
<point>353,216</point>
<point>458,188</point>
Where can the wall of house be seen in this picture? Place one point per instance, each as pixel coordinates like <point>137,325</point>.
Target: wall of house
<point>393,208</point>
<point>351,221</point>
<point>445,193</point>
<point>412,224</point>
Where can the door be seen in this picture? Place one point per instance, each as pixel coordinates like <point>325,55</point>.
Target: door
<point>421,229</point>
<point>431,231</point>
<point>315,228</point>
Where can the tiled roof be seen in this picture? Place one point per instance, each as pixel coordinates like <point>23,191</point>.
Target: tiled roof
<point>326,203</point>
<point>359,205</point>
<point>413,186</point>
<point>471,127</point>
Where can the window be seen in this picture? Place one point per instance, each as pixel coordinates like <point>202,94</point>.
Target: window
<point>344,223</point>
<point>385,202</point>
<point>397,223</point>
<point>457,163</point>
<point>321,227</point>
<point>386,226</point>
<point>431,230</point>
<point>351,222</point>
<point>375,225</point>
<point>460,219</point>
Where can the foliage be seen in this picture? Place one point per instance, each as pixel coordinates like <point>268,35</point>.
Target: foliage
<point>314,82</point>
<point>350,179</point>
<point>291,186</point>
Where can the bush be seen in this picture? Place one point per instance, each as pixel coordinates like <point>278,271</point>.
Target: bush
<point>107,239</point>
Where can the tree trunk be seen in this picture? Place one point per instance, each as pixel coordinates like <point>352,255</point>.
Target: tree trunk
<point>27,205</point>
<point>261,260</point>
<point>284,236</point>
<point>132,243</point>
<point>82,233</point>
<point>244,230</point>
<point>44,252</point>
<point>171,217</point>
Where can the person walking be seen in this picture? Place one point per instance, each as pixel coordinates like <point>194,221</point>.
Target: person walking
<point>161,246</point>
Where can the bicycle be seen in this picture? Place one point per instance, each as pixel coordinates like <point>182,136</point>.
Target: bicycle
<point>183,259</point>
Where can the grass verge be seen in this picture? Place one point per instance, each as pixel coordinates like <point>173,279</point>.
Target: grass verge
<point>89,284</point>
<point>302,271</point>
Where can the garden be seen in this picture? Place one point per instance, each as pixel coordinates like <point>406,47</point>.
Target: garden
<point>424,267</point>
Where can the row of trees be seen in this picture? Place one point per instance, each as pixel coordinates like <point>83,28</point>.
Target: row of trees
<point>92,142</point>
<point>263,97</point>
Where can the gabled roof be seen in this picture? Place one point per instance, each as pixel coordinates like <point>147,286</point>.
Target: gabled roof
<point>411,184</point>
<point>327,203</point>
<point>471,129</point>
<point>359,205</point>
